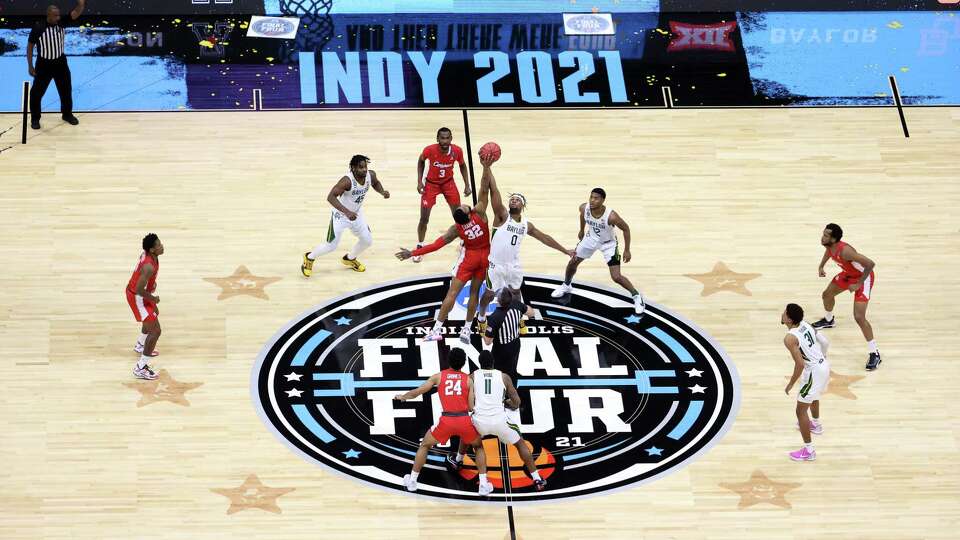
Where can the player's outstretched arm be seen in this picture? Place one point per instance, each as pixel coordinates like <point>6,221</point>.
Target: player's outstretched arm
<point>420,390</point>
<point>78,10</point>
<point>447,237</point>
<point>420,167</point>
<point>466,178</point>
<point>338,189</point>
<point>500,211</point>
<point>377,186</point>
<point>618,222</point>
<point>481,207</point>
<point>548,240</point>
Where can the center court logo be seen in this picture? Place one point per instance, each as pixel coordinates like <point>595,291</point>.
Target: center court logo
<point>610,400</point>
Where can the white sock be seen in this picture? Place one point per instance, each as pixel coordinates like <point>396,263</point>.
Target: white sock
<point>437,325</point>
<point>142,340</point>
<point>536,475</point>
<point>872,345</point>
<point>459,457</point>
<point>828,316</point>
<point>482,318</point>
<point>414,475</point>
<point>483,478</point>
<point>808,446</point>
<point>814,422</point>
<point>142,362</point>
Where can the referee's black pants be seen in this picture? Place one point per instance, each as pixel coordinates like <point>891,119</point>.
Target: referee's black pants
<point>58,71</point>
<point>505,358</point>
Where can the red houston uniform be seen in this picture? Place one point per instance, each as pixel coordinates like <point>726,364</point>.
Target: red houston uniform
<point>851,272</point>
<point>475,252</point>
<point>440,175</point>
<point>143,309</point>
<point>455,421</point>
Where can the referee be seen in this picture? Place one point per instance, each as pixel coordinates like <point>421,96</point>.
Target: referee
<point>503,331</point>
<point>47,36</point>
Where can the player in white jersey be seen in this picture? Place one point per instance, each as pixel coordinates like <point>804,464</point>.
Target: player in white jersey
<point>510,227</point>
<point>596,233</point>
<point>810,367</point>
<point>491,390</point>
<point>347,197</point>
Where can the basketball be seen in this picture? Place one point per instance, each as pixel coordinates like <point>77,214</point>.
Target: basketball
<point>490,150</point>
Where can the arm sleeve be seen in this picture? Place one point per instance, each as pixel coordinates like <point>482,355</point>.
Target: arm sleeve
<point>430,248</point>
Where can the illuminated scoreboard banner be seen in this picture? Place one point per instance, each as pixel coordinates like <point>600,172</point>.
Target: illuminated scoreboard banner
<point>486,60</point>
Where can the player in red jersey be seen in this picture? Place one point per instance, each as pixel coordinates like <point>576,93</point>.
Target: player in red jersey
<point>438,179</point>
<point>471,226</point>
<point>143,302</point>
<point>455,389</point>
<point>857,276</point>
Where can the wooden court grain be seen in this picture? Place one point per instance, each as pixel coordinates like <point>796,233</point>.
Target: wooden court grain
<point>746,187</point>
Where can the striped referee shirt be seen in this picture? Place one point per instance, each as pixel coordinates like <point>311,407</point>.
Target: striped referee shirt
<point>49,38</point>
<point>504,324</point>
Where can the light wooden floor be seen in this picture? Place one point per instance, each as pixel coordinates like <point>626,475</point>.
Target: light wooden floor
<point>750,188</point>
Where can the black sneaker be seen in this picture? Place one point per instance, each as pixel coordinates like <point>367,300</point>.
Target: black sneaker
<point>874,361</point>
<point>35,124</point>
<point>453,463</point>
<point>540,484</point>
<point>71,119</point>
<point>824,323</point>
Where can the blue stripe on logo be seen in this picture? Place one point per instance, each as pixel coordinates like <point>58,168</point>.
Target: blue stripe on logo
<point>693,412</point>
<point>667,340</point>
<point>307,419</point>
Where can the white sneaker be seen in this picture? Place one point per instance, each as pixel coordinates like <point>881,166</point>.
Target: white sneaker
<point>409,483</point>
<point>432,336</point>
<point>638,306</point>
<point>485,489</point>
<point>144,373</point>
<point>561,291</point>
<point>465,335</point>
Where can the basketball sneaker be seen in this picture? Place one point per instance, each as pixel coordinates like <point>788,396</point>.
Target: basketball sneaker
<point>453,463</point>
<point>144,373</point>
<point>824,323</point>
<point>138,348</point>
<point>803,455</point>
<point>354,264</point>
<point>418,258</point>
<point>874,361</point>
<point>561,291</point>
<point>638,306</point>
<point>432,336</point>
<point>307,267</point>
<point>465,334</point>
<point>409,483</point>
<point>486,488</point>
<point>541,484</point>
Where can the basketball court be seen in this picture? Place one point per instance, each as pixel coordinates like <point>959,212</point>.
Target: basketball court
<point>726,206</point>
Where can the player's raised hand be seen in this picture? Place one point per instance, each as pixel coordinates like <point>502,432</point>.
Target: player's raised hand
<point>403,254</point>
<point>486,162</point>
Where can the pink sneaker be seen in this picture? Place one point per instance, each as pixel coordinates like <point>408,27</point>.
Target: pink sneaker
<point>803,455</point>
<point>432,336</point>
<point>816,429</point>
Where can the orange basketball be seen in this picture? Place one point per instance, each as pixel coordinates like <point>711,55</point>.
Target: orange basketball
<point>518,478</point>
<point>490,150</point>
